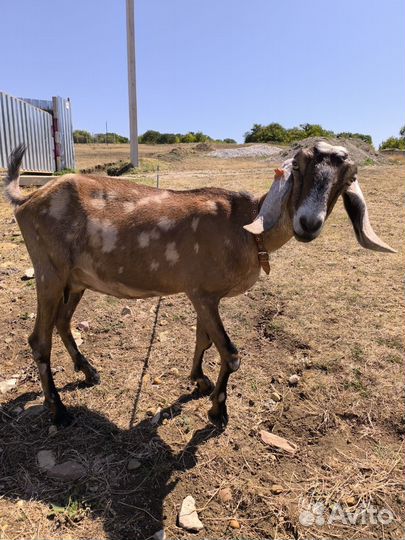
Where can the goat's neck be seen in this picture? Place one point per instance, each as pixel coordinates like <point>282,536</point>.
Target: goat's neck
<point>281,233</point>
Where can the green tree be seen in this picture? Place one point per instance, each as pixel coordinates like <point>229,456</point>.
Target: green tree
<point>81,136</point>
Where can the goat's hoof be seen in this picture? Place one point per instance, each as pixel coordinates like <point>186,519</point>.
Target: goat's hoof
<point>62,418</point>
<point>218,416</point>
<point>92,378</point>
<point>205,386</point>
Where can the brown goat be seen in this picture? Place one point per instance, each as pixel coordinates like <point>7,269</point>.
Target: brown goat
<point>134,241</point>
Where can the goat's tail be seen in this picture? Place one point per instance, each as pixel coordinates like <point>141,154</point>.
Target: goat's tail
<point>12,190</point>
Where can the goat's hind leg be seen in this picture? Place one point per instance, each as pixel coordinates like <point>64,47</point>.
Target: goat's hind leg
<point>203,343</point>
<point>41,343</point>
<point>63,319</point>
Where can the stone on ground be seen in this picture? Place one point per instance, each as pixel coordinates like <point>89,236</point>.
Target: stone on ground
<point>188,518</point>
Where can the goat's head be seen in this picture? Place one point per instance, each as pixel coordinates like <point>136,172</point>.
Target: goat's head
<point>308,190</point>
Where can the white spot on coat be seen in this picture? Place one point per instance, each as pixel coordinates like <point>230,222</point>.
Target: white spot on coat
<point>128,206</point>
<point>212,206</point>
<point>194,223</point>
<point>143,239</point>
<point>171,253</point>
<point>154,265</point>
<point>98,204</point>
<point>165,223</point>
<point>153,199</point>
<point>58,203</point>
<point>196,247</point>
<point>102,233</point>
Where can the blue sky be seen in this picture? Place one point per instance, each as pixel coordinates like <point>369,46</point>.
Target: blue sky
<point>214,65</point>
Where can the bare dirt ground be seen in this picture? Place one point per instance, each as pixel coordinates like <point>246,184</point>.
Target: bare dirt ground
<point>330,312</point>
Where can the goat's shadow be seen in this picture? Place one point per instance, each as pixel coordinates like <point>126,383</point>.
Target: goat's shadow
<point>130,502</point>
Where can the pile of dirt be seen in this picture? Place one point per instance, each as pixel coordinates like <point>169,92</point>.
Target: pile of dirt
<point>248,151</point>
<point>361,152</point>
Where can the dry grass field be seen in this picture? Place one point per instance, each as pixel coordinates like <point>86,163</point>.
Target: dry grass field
<point>330,312</point>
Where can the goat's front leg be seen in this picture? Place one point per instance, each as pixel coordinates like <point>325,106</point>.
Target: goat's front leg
<point>41,343</point>
<point>207,310</point>
<point>203,343</point>
<point>63,319</point>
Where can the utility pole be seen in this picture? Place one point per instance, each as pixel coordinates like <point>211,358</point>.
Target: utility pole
<point>133,115</point>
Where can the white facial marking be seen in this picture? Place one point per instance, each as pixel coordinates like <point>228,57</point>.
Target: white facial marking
<point>171,253</point>
<point>120,269</point>
<point>59,203</point>
<point>165,223</point>
<point>143,239</point>
<point>128,206</point>
<point>194,223</point>
<point>154,265</point>
<point>327,148</point>
<point>196,247</point>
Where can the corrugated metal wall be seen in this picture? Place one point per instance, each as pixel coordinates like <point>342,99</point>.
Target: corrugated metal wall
<point>22,122</point>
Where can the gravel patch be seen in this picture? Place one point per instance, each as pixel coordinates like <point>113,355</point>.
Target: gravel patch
<point>252,151</point>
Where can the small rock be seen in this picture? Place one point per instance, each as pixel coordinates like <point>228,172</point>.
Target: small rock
<point>225,494</point>
<point>8,340</point>
<point>159,535</point>
<point>32,408</point>
<point>53,430</point>
<point>275,396</point>
<point>234,524</point>
<point>351,501</point>
<point>7,385</point>
<point>126,310</point>
<point>83,326</point>
<point>46,459</point>
<point>77,337</point>
<point>175,371</point>
<point>156,417</point>
<point>69,470</point>
<point>188,518</point>
<point>157,381</point>
<point>133,464</point>
<point>276,489</point>
<point>28,274</point>
<point>293,380</point>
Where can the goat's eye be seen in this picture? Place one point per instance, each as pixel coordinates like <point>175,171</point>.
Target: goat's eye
<point>295,165</point>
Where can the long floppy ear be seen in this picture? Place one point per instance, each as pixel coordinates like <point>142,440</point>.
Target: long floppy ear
<point>356,208</point>
<point>270,211</point>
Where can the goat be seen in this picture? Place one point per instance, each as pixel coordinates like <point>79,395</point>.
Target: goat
<point>135,241</point>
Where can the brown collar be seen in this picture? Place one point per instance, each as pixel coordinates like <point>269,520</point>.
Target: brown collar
<point>263,255</point>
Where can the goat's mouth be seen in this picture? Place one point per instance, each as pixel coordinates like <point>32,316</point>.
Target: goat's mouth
<point>305,237</point>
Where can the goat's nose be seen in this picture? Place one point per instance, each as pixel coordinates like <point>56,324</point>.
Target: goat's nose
<point>310,225</point>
